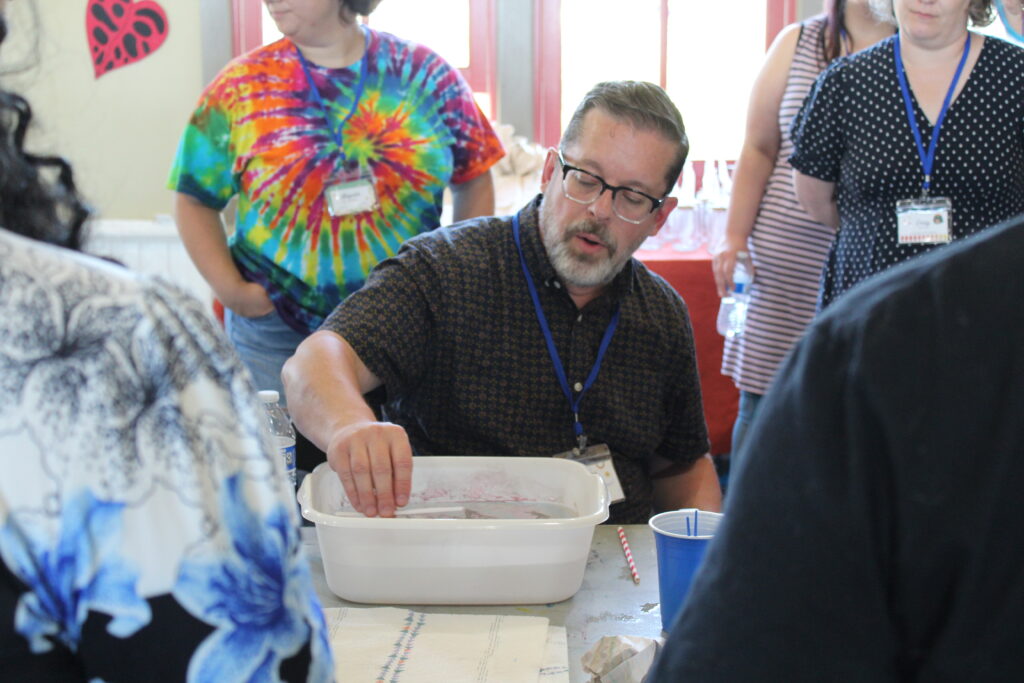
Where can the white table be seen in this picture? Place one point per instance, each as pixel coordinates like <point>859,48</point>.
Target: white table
<point>607,604</point>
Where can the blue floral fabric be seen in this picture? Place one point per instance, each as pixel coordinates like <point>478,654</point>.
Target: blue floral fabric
<point>147,531</point>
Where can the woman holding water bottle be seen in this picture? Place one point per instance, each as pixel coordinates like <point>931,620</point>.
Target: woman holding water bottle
<point>766,230</point>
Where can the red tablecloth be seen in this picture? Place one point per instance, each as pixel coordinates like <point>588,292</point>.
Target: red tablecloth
<point>689,272</point>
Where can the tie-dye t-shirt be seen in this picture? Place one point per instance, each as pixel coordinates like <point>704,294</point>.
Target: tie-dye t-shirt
<point>260,133</point>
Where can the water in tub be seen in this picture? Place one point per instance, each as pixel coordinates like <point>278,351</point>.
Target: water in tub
<point>480,495</point>
<point>481,510</point>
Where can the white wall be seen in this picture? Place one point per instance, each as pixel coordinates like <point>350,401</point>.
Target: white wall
<point>808,8</point>
<point>120,131</point>
<point>151,247</point>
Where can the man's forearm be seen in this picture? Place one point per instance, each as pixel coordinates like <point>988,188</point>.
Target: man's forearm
<point>696,487</point>
<point>324,382</point>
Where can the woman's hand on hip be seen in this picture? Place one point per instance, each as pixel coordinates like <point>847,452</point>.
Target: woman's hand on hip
<point>247,299</point>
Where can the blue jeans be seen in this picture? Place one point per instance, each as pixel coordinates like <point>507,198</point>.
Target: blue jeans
<point>749,404</point>
<point>264,344</point>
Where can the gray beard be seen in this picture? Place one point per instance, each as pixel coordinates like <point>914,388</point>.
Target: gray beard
<point>580,270</point>
<point>576,269</point>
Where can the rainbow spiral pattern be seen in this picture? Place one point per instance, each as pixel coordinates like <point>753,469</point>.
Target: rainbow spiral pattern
<point>259,134</point>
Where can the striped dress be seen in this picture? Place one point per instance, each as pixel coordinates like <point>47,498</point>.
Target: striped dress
<point>787,246</point>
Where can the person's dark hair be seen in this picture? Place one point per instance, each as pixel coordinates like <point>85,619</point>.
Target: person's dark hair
<point>38,198</point>
<point>646,106</point>
<point>362,8</point>
<point>831,39</point>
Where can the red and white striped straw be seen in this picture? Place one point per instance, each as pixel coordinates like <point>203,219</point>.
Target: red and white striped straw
<point>629,555</point>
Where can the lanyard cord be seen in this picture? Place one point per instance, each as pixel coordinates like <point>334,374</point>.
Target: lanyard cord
<point>556,360</point>
<point>358,94</point>
<point>927,159</point>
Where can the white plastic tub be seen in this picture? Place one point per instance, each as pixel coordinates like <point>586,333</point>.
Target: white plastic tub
<point>417,561</point>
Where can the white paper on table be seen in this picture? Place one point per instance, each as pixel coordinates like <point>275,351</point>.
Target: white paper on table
<point>403,646</point>
<point>555,667</point>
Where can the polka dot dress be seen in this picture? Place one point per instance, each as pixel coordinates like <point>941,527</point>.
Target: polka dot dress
<point>853,131</point>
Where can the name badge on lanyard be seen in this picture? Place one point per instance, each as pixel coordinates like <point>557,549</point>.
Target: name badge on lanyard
<point>346,192</point>
<point>350,193</point>
<point>598,460</point>
<point>925,220</point>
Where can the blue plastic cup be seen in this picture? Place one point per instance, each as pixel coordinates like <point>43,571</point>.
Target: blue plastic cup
<point>681,538</point>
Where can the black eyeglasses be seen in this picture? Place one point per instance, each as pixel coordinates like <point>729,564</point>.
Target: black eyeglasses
<point>583,187</point>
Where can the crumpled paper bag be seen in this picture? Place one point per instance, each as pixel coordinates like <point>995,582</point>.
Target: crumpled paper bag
<point>523,158</point>
<point>620,659</point>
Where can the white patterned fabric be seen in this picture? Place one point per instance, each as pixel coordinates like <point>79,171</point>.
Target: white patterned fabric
<point>146,530</point>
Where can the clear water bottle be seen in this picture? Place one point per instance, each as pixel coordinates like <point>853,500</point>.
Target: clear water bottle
<point>281,429</point>
<point>732,312</point>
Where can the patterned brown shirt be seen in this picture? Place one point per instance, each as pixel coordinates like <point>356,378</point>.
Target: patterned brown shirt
<point>449,327</point>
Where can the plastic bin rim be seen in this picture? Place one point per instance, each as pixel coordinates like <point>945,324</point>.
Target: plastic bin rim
<point>327,519</point>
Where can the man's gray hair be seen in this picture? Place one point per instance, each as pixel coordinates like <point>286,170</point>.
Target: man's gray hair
<point>646,106</point>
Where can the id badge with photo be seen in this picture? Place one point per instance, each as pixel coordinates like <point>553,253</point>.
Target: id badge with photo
<point>598,459</point>
<point>350,193</point>
<point>924,221</point>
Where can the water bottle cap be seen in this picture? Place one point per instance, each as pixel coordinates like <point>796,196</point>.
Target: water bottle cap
<point>269,396</point>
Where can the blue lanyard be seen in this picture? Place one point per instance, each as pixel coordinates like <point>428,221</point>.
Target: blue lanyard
<point>318,98</point>
<point>927,159</point>
<point>556,360</point>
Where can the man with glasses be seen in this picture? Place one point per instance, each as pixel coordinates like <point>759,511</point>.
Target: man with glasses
<point>529,335</point>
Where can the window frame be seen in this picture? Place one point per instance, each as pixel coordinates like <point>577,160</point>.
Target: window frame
<point>246,26</point>
<point>481,74</point>
<point>781,13</point>
<point>547,93</point>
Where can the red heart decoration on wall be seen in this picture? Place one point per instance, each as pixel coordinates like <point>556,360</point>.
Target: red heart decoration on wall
<point>122,31</point>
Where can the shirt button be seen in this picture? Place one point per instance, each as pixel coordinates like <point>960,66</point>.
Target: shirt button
<point>577,386</point>
<point>579,318</point>
<point>557,284</point>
